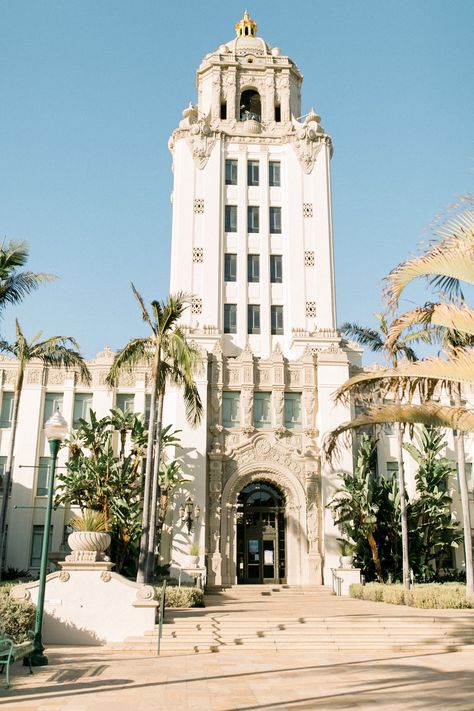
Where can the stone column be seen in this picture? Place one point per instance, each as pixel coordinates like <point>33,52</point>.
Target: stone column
<point>313,527</point>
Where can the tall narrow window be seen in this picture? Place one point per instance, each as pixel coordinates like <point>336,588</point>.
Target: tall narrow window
<point>147,409</point>
<point>3,464</point>
<point>230,267</point>
<point>42,478</point>
<point>392,469</point>
<point>6,411</point>
<point>37,545</point>
<point>52,403</point>
<point>274,174</point>
<point>253,219</point>
<point>277,113</point>
<point>230,318</point>
<point>223,111</point>
<point>253,172</point>
<point>253,268</point>
<point>231,409</point>
<point>231,172</point>
<point>231,218</point>
<point>276,269</point>
<point>292,410</point>
<point>275,220</point>
<point>253,323</point>
<point>125,402</point>
<point>277,320</point>
<point>261,410</point>
<point>82,408</point>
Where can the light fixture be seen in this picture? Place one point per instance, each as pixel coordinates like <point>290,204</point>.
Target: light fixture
<point>189,513</point>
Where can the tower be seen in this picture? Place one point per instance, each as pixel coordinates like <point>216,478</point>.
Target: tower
<point>252,243</point>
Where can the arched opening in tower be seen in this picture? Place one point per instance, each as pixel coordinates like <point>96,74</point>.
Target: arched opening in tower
<point>250,105</point>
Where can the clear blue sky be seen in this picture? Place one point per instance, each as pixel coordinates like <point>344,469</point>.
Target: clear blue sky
<point>91,90</point>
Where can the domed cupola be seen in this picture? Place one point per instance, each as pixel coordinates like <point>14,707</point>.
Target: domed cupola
<point>246,27</point>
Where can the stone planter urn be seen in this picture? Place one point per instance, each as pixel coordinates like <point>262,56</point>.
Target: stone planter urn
<point>192,561</point>
<point>346,561</point>
<point>88,545</point>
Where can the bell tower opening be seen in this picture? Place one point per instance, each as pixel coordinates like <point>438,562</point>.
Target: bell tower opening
<point>261,534</point>
<point>250,105</point>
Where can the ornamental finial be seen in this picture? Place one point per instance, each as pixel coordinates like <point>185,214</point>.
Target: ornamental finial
<point>246,27</point>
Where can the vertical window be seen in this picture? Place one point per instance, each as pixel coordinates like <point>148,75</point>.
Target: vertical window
<point>231,172</point>
<point>42,478</point>
<point>230,218</point>
<point>275,220</point>
<point>277,113</point>
<point>223,111</point>
<point>292,410</point>
<point>253,172</point>
<point>82,408</point>
<point>253,220</point>
<point>276,268</point>
<point>261,410</point>
<point>37,545</point>
<point>6,411</point>
<point>3,464</point>
<point>125,402</point>
<point>253,324</point>
<point>253,268</point>
<point>469,477</point>
<point>274,174</point>
<point>147,409</point>
<point>277,320</point>
<point>230,318</point>
<point>52,403</point>
<point>4,551</point>
<point>230,267</point>
<point>392,469</point>
<point>231,409</point>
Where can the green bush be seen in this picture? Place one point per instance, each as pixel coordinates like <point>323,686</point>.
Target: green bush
<point>182,597</point>
<point>427,596</point>
<point>17,618</point>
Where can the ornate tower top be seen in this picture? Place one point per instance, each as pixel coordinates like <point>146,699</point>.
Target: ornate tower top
<point>246,27</point>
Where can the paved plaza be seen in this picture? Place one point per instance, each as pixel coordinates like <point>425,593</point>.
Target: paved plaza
<point>80,679</point>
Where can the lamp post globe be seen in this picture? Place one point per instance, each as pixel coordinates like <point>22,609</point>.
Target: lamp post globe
<point>56,432</point>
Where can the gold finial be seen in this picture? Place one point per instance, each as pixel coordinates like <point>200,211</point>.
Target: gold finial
<point>246,27</point>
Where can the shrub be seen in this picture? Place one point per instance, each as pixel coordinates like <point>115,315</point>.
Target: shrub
<point>182,597</point>
<point>17,617</point>
<point>393,594</point>
<point>356,590</point>
<point>427,596</point>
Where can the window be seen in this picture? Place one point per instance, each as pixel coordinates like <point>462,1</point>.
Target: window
<point>261,410</point>
<point>6,411</point>
<point>253,218</point>
<point>37,545</point>
<point>231,409</point>
<point>4,551</point>
<point>125,402</point>
<point>275,220</point>
<point>292,410</point>
<point>253,172</point>
<point>231,172</point>
<point>223,111</point>
<point>42,478</point>
<point>230,318</point>
<point>52,403</point>
<point>392,469</point>
<point>276,268</point>
<point>277,113</point>
<point>82,408</point>
<point>3,464</point>
<point>230,267</point>
<point>253,325</point>
<point>274,174</point>
<point>253,268</point>
<point>277,320</point>
<point>231,218</point>
<point>469,477</point>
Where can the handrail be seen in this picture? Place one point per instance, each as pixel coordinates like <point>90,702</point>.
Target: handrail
<point>161,615</point>
<point>336,583</point>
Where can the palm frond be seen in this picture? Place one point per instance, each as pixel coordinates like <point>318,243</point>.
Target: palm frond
<point>60,356</point>
<point>363,335</point>
<point>135,352</point>
<point>429,414</point>
<point>172,311</point>
<point>143,309</point>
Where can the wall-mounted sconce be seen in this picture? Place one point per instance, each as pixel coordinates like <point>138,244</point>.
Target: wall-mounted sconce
<point>189,513</point>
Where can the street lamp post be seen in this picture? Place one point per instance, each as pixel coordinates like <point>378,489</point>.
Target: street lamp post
<point>56,431</point>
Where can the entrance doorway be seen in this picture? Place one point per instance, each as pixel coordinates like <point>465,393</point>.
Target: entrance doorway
<point>261,544</point>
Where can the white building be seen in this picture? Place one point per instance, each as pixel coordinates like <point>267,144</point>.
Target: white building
<point>252,241</point>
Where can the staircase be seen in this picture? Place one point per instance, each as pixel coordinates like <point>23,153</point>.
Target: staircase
<point>278,618</point>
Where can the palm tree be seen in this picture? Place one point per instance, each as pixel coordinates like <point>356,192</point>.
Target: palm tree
<point>55,352</point>
<point>170,357</point>
<point>14,283</point>
<point>445,262</point>
<point>377,341</point>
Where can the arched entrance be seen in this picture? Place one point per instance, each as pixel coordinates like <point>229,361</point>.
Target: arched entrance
<point>261,534</point>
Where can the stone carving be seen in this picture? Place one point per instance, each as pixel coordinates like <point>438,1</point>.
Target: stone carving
<point>201,139</point>
<point>56,377</point>
<point>216,403</point>
<point>262,447</point>
<point>279,404</point>
<point>126,379</point>
<point>20,593</point>
<point>311,309</point>
<point>312,518</point>
<point>247,402</point>
<point>33,376</point>
<point>308,141</point>
<point>146,592</point>
<point>196,305</point>
<point>307,209</point>
<point>309,259</point>
<point>309,407</point>
<point>198,206</point>
<point>64,576</point>
<point>106,576</point>
<point>198,255</point>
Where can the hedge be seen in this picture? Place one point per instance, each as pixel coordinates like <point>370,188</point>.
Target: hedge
<point>16,616</point>
<point>182,596</point>
<point>427,596</point>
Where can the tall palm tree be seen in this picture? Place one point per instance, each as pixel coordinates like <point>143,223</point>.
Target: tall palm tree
<point>166,350</point>
<point>445,262</point>
<point>377,341</point>
<point>55,352</point>
<point>15,284</point>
